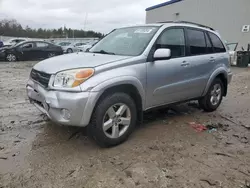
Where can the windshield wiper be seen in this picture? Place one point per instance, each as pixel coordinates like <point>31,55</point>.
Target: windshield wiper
<point>103,52</point>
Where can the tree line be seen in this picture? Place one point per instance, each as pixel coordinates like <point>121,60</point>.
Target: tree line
<point>15,29</point>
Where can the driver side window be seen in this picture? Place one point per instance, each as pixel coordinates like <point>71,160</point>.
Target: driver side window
<point>174,40</point>
<point>27,45</point>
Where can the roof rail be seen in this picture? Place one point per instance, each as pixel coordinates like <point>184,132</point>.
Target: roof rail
<point>187,22</point>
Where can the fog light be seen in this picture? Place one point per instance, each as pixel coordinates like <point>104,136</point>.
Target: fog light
<point>66,114</point>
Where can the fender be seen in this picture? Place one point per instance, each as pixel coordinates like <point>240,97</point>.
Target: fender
<point>100,88</point>
<point>96,92</point>
<point>213,76</point>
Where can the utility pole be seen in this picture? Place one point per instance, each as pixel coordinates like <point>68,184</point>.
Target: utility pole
<point>85,21</point>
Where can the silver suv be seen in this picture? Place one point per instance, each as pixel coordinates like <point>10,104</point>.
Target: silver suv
<point>132,70</point>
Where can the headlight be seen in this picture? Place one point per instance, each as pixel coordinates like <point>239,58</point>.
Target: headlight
<point>72,78</point>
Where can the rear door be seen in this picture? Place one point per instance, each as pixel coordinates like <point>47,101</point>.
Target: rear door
<point>42,50</point>
<point>199,58</point>
<point>220,55</point>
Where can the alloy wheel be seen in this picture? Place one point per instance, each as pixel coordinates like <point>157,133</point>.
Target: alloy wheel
<point>116,120</point>
<point>216,94</point>
<point>51,55</point>
<point>11,57</point>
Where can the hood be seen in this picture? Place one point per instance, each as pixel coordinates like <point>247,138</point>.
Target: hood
<point>5,48</point>
<point>76,60</point>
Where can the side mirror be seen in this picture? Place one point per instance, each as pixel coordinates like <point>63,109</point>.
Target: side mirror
<point>162,54</point>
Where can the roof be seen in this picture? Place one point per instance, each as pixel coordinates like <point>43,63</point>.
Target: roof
<point>163,4</point>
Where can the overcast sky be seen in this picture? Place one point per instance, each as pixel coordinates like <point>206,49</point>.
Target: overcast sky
<point>102,15</point>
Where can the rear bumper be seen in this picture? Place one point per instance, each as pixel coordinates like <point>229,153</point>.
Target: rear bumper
<point>67,108</point>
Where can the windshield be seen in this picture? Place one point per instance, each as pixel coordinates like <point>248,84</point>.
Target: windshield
<point>130,41</point>
<point>19,43</point>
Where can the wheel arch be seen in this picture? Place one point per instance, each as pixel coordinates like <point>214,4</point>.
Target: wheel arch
<point>8,53</point>
<point>221,74</point>
<point>130,86</point>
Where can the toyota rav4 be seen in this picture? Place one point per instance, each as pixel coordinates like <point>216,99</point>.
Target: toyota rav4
<point>132,70</point>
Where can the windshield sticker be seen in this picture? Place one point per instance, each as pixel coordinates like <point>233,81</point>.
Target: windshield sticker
<point>145,31</point>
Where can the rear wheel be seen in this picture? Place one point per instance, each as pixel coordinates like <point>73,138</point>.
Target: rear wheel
<point>113,120</point>
<point>11,57</point>
<point>51,54</point>
<point>69,51</point>
<point>212,100</point>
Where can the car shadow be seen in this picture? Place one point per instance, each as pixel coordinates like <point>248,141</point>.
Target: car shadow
<point>58,134</point>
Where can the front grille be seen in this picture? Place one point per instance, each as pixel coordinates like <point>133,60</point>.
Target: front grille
<point>40,77</point>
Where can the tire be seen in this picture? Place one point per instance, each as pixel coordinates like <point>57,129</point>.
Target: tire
<point>101,116</point>
<point>51,54</point>
<point>212,100</point>
<point>69,51</point>
<point>11,58</point>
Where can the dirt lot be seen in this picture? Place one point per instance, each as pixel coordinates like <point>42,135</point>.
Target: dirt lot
<point>163,152</point>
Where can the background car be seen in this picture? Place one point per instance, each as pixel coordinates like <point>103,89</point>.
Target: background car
<point>70,47</point>
<point>14,41</point>
<point>86,46</point>
<point>30,50</point>
<point>233,53</point>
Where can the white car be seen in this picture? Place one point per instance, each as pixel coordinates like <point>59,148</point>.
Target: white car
<point>86,46</point>
<point>14,41</point>
<point>70,47</point>
<point>233,53</point>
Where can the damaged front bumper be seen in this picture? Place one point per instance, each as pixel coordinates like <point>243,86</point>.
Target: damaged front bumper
<point>67,108</point>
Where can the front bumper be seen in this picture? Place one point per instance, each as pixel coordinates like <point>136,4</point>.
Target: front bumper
<point>66,108</point>
<point>2,55</point>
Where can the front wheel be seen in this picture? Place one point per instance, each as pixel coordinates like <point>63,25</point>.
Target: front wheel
<point>113,120</point>
<point>11,57</point>
<point>212,100</point>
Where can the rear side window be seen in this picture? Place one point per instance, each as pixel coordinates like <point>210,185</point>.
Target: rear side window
<point>197,42</point>
<point>42,44</point>
<point>174,40</point>
<point>209,45</point>
<point>217,44</point>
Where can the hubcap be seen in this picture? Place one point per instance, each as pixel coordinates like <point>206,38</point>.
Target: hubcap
<point>216,94</point>
<point>116,120</point>
<point>51,54</point>
<point>11,57</point>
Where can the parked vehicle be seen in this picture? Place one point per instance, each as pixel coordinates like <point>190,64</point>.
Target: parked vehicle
<point>87,46</point>
<point>30,50</point>
<point>233,53</point>
<point>14,41</point>
<point>132,70</point>
<point>70,47</point>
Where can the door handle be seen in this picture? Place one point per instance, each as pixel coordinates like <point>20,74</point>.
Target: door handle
<point>184,64</point>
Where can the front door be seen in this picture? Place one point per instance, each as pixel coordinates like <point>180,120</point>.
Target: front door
<point>27,51</point>
<point>167,80</point>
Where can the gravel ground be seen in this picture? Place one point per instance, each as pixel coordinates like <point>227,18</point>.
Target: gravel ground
<point>163,152</point>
